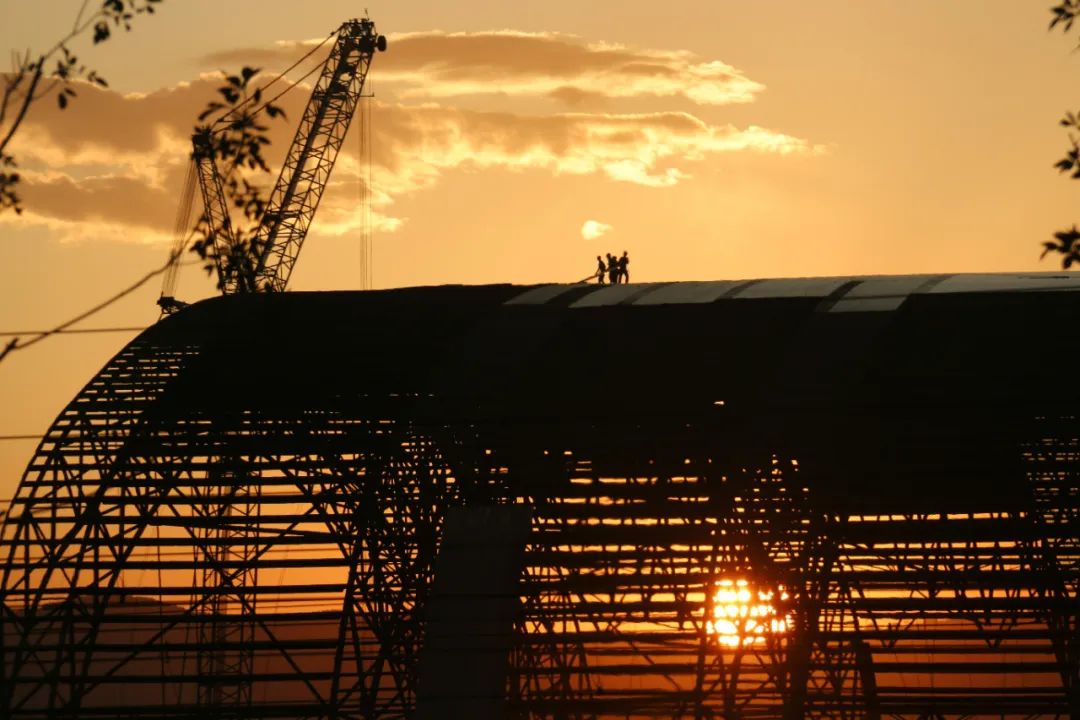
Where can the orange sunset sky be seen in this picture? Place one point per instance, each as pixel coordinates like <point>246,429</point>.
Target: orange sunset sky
<point>711,139</point>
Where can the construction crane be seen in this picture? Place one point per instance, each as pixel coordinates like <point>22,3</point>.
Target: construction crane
<point>303,179</point>
<point>229,518</point>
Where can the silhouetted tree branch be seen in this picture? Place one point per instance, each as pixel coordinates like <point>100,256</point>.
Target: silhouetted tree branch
<point>1065,13</point>
<point>58,67</point>
<point>1067,242</point>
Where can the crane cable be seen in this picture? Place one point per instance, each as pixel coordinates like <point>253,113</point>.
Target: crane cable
<point>281,75</point>
<point>368,225</point>
<point>292,86</point>
<point>363,160</point>
<point>182,230</point>
<point>256,111</point>
<point>362,194</point>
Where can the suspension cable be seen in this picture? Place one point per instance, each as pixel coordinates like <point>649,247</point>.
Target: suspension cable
<point>369,193</point>
<point>280,76</point>
<point>256,111</point>
<point>181,231</point>
<point>363,192</point>
<point>291,87</point>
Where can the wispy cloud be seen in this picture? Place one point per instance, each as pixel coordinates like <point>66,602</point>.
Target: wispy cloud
<point>438,64</point>
<point>416,143</point>
<point>592,229</point>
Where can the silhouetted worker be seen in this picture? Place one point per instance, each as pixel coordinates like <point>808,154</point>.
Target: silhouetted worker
<point>623,263</point>
<point>600,270</point>
<point>613,269</point>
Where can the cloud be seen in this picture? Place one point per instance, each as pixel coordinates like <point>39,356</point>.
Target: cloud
<point>103,127</point>
<point>416,143</point>
<point>438,65</point>
<point>593,229</point>
<point>115,160</point>
<point>117,199</point>
<point>87,231</point>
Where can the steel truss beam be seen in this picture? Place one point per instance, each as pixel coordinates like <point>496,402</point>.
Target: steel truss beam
<point>306,171</point>
<point>188,560</point>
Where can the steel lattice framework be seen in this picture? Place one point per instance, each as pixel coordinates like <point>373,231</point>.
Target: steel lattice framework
<point>240,515</point>
<point>306,170</point>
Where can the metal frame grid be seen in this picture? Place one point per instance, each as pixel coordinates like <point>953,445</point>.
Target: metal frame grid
<point>177,552</point>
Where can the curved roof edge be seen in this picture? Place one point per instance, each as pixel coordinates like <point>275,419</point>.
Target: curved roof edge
<point>858,293</point>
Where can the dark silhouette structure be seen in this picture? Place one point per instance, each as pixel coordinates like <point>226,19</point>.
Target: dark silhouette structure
<point>827,498</point>
<point>262,259</point>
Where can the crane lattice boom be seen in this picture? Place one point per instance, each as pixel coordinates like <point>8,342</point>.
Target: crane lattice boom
<point>216,210</point>
<point>266,264</point>
<point>311,157</point>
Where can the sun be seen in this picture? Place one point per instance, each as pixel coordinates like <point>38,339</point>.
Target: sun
<point>745,616</point>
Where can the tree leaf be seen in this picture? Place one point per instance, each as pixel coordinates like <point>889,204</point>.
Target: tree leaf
<point>101,32</point>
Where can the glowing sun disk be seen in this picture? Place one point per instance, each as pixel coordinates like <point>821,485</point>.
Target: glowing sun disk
<point>744,616</point>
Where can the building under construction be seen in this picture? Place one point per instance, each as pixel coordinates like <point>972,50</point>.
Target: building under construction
<point>829,498</point>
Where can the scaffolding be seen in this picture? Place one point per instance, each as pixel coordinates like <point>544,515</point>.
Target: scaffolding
<point>741,508</point>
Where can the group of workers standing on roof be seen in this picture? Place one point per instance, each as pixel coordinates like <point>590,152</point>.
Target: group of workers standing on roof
<point>616,270</point>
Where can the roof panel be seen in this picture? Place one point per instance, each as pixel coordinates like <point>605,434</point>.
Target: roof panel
<point>615,294</point>
<point>880,286</point>
<point>540,295</point>
<point>873,304</point>
<point>792,287</point>
<point>998,282</point>
<point>890,285</point>
<point>883,293</point>
<point>688,292</point>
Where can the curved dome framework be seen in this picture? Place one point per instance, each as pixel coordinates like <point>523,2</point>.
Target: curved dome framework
<point>837,497</point>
